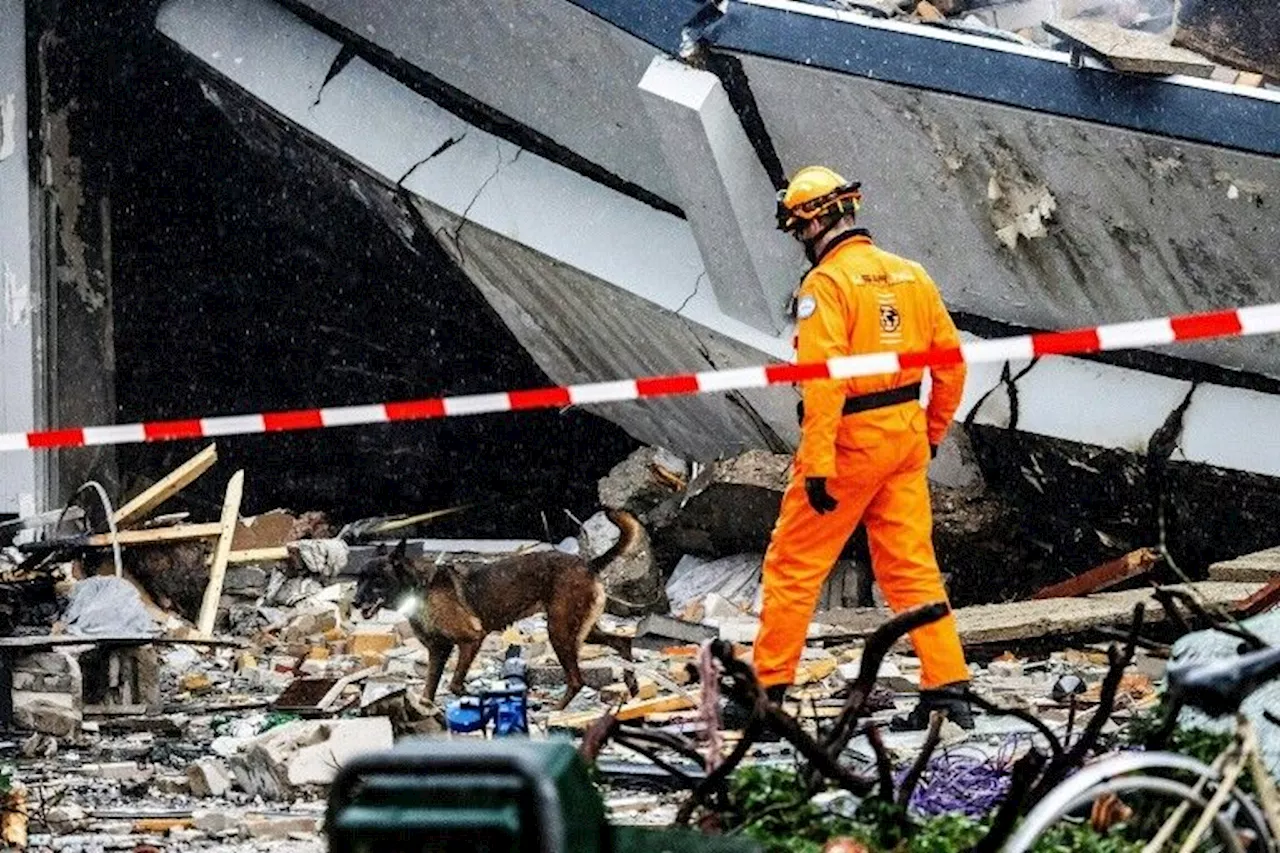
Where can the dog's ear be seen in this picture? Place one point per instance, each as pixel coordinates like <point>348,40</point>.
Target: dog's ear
<point>401,551</point>
<point>432,569</point>
<point>381,550</point>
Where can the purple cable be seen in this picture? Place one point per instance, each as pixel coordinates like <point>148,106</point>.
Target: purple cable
<point>964,781</point>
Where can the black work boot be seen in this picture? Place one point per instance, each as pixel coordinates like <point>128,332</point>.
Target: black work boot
<point>949,699</point>
<point>736,717</point>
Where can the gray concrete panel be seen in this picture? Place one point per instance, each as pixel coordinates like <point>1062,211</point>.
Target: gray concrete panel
<point>582,329</point>
<point>726,194</point>
<point>17,348</point>
<point>545,63</point>
<point>1041,220</point>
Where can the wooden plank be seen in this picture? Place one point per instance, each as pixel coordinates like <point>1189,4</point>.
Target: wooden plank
<point>1261,601</point>
<point>1130,50</point>
<point>400,523</point>
<point>1109,574</point>
<point>809,671</point>
<point>259,555</point>
<point>161,825</point>
<point>168,486</point>
<point>342,683</point>
<point>155,535</point>
<point>218,570</point>
<point>631,711</point>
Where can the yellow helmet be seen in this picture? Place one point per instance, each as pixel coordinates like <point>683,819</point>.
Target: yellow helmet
<point>815,191</point>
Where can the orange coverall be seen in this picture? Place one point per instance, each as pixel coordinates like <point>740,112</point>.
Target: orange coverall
<point>861,299</point>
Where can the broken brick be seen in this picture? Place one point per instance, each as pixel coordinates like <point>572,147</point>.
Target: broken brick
<point>372,642</point>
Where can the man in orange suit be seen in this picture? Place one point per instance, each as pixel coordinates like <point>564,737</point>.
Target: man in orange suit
<point>865,443</point>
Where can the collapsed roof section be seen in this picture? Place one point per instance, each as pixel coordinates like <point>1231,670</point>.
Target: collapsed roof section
<point>613,204</point>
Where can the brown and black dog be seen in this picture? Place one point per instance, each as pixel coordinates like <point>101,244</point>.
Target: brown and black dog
<point>461,608</point>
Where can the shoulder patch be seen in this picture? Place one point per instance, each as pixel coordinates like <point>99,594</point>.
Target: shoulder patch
<point>805,306</point>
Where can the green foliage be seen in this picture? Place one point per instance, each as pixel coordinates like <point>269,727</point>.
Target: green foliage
<point>1196,743</point>
<point>946,834</point>
<point>770,806</point>
<point>1200,744</point>
<point>278,718</point>
<point>1081,838</point>
<point>6,779</point>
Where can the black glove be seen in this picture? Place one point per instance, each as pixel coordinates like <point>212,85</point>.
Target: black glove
<point>933,451</point>
<point>819,498</point>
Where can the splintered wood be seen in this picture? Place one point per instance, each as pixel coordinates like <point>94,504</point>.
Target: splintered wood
<point>168,486</point>
<point>218,570</point>
<point>580,720</point>
<point>1107,575</point>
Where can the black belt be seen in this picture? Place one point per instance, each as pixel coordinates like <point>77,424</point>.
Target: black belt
<point>874,400</point>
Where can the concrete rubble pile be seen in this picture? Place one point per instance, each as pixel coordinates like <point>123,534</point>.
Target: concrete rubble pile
<point>1229,42</point>
<point>138,726</point>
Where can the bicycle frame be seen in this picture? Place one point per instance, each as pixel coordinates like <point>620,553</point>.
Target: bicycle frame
<point>1117,773</point>
<point>1230,765</point>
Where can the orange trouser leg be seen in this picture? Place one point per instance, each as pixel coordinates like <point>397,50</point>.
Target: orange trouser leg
<point>899,524</point>
<point>803,549</point>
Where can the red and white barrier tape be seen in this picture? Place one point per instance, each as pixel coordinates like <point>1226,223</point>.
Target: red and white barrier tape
<point>1144,333</point>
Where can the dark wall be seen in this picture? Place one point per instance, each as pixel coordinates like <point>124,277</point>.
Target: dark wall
<point>251,277</point>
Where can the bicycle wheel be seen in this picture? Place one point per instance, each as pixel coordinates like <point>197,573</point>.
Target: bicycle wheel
<point>1152,785</point>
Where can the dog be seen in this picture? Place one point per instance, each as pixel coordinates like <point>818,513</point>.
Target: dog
<point>457,608</point>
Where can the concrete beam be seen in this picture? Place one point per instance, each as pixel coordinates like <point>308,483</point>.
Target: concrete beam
<point>18,370</point>
<point>725,193</point>
<point>411,142</point>
<point>1116,407</point>
<point>1259,567</point>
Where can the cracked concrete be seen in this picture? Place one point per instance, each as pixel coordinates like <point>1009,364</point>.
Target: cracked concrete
<point>443,147</point>
<point>1008,383</point>
<point>696,285</point>
<point>464,219</point>
<point>341,61</point>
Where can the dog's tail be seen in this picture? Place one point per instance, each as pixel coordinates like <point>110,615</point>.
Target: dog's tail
<point>631,533</point>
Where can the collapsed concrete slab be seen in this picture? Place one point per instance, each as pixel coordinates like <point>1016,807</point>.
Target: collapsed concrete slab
<point>305,754</point>
<point>644,480</point>
<point>988,624</point>
<point>730,507</point>
<point>1260,566</point>
<point>56,714</point>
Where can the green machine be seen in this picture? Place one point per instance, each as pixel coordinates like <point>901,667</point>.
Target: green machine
<point>486,796</point>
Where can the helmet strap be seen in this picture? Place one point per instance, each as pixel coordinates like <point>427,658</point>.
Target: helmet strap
<point>811,244</point>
